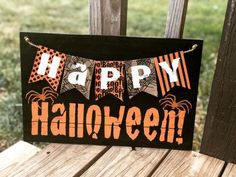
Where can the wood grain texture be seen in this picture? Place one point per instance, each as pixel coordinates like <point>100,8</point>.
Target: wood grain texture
<point>176,18</point>
<point>16,155</point>
<point>230,170</point>
<point>59,160</point>
<point>122,161</point>
<point>108,17</point>
<point>189,163</point>
<point>219,133</point>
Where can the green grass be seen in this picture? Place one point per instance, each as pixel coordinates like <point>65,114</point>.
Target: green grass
<point>145,18</point>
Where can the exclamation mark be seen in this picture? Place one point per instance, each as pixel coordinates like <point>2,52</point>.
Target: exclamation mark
<point>171,128</point>
<point>181,115</point>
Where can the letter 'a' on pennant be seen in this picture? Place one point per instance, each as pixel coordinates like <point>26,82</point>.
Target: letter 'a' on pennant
<point>109,79</point>
<point>141,76</point>
<point>172,71</point>
<point>78,73</point>
<point>48,65</point>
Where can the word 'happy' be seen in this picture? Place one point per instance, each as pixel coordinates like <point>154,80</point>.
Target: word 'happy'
<point>108,74</point>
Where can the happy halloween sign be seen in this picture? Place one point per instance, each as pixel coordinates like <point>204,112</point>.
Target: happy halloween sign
<point>109,90</point>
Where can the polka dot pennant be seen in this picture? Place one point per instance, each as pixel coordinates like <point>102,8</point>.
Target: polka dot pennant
<point>35,76</point>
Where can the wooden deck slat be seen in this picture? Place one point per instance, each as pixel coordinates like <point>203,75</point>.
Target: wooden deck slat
<point>15,155</point>
<point>123,161</point>
<point>189,163</point>
<point>230,170</point>
<point>60,160</point>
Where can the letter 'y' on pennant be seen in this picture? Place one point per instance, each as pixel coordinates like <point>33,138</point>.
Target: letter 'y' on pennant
<point>109,79</point>
<point>78,73</point>
<point>48,65</point>
<point>172,71</point>
<point>141,76</point>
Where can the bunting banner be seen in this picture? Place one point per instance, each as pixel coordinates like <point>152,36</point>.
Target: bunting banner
<point>109,90</point>
<point>110,79</point>
<point>78,73</point>
<point>141,76</point>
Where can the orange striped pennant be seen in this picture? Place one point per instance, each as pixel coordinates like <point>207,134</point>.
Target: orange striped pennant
<point>182,72</point>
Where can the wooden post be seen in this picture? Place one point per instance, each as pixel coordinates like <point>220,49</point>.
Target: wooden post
<point>108,17</point>
<point>219,138</point>
<point>176,18</point>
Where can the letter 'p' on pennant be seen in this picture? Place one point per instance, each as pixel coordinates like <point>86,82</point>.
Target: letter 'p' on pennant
<point>109,79</point>
<point>48,65</point>
<point>172,71</point>
<point>141,76</point>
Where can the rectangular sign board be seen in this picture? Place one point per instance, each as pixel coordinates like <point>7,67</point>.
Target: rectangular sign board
<point>109,90</point>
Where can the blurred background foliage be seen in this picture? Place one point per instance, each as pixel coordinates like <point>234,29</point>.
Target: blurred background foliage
<point>145,18</point>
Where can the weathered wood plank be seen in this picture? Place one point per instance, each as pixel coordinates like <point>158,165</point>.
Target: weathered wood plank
<point>60,160</point>
<point>176,18</point>
<point>15,155</point>
<point>230,170</point>
<point>219,134</point>
<point>123,161</point>
<point>189,163</point>
<point>108,17</point>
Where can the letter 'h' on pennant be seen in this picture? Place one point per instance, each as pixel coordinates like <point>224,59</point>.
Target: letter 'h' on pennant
<point>48,65</point>
<point>172,71</point>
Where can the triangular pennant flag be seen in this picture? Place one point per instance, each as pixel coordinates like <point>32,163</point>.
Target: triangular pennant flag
<point>48,64</point>
<point>109,79</point>
<point>78,73</point>
<point>172,71</point>
<point>141,76</point>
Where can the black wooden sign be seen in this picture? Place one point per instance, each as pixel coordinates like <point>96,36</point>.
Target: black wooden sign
<point>109,90</point>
